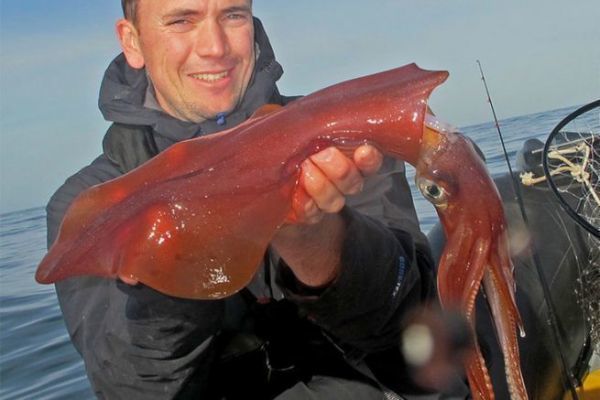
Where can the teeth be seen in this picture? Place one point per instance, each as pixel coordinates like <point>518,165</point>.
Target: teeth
<point>210,77</point>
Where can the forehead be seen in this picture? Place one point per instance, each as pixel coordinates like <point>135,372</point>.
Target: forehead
<point>155,7</point>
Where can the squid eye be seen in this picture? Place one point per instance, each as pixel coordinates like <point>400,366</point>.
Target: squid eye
<point>433,192</point>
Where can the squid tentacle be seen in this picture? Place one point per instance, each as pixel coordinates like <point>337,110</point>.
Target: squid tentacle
<point>478,266</point>
<point>449,288</point>
<point>460,290</point>
<point>477,371</point>
<point>507,282</point>
<point>506,322</point>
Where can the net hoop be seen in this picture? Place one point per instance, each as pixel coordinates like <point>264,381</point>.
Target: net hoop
<point>581,220</point>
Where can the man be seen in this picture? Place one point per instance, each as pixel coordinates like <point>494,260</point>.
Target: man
<point>322,318</point>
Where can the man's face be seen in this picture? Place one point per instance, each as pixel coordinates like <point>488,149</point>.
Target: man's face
<point>199,54</point>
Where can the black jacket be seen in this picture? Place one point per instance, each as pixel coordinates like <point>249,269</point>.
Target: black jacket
<point>138,343</point>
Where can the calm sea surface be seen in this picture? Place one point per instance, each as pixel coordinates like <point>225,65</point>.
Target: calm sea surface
<point>37,360</point>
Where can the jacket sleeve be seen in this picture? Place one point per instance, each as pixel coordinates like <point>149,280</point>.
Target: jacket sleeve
<point>136,343</point>
<point>386,268</point>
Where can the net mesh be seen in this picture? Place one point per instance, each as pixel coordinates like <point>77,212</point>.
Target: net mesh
<point>573,160</point>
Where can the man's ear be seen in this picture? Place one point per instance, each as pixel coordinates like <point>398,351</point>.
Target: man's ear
<point>130,43</point>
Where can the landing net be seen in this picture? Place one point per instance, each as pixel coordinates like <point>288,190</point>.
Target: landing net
<point>571,164</point>
<point>571,161</point>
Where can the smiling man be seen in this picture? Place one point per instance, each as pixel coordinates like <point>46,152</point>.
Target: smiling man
<point>200,55</point>
<point>322,318</point>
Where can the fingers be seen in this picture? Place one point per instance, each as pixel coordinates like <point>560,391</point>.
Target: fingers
<point>321,188</point>
<point>129,280</point>
<point>304,208</point>
<point>368,159</point>
<point>338,170</point>
<point>328,177</point>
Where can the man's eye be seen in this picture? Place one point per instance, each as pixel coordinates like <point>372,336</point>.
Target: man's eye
<point>237,17</point>
<point>178,22</point>
<point>180,25</point>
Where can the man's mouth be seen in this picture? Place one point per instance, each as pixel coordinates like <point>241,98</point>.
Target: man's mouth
<point>210,77</point>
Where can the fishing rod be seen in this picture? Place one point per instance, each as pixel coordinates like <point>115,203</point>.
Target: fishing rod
<point>536,259</point>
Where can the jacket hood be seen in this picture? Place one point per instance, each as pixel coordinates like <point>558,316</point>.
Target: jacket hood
<point>123,93</point>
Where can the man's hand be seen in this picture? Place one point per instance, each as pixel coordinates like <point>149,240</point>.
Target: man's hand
<point>328,177</point>
<point>311,242</point>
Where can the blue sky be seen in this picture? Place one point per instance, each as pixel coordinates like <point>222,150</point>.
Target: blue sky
<point>537,55</point>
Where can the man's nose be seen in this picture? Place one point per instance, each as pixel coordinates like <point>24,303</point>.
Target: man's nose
<point>212,40</point>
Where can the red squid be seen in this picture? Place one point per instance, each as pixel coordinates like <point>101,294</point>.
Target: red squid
<point>195,220</point>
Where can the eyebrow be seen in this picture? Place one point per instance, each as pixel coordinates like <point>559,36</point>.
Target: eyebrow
<point>238,9</point>
<point>180,12</point>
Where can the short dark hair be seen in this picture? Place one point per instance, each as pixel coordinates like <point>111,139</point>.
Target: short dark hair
<point>130,9</point>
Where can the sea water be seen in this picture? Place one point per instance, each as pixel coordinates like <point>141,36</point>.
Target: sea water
<point>37,360</point>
